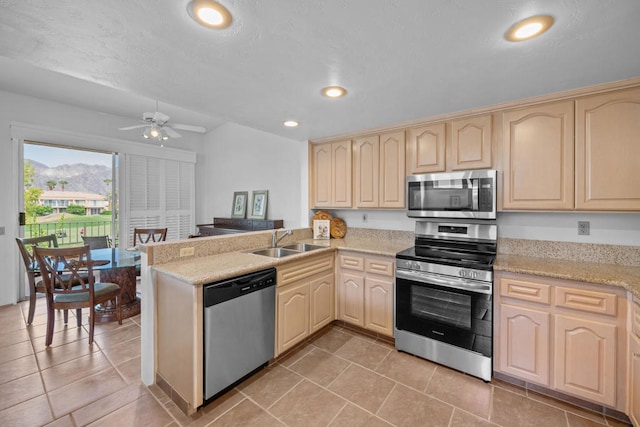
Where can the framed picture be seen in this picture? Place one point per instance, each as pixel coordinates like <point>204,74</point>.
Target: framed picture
<point>259,204</point>
<point>239,209</point>
<point>321,228</point>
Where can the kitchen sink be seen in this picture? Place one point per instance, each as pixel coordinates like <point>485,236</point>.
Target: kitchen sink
<point>275,252</point>
<point>303,247</point>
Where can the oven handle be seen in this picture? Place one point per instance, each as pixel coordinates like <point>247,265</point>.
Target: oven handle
<point>449,282</point>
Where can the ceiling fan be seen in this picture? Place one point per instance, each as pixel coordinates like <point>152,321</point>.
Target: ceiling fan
<point>157,126</point>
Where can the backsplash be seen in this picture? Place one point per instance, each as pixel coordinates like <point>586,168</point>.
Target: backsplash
<point>588,252</point>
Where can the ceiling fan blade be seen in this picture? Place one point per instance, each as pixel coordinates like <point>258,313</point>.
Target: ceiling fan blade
<point>160,118</point>
<point>189,128</point>
<point>171,133</point>
<point>133,127</point>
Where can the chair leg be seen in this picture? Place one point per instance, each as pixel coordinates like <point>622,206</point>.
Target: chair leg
<point>50,322</point>
<point>92,319</point>
<point>32,307</point>
<point>119,310</point>
<point>79,317</point>
<point>66,316</point>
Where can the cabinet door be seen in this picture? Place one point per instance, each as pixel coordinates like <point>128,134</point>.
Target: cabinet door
<point>351,294</point>
<point>426,149</point>
<point>392,170</point>
<point>321,302</point>
<point>634,386</point>
<point>366,171</point>
<point>322,175</point>
<point>470,146</point>
<point>293,315</point>
<point>538,157</point>
<point>585,363</point>
<point>608,151</point>
<point>341,176</point>
<point>524,343</point>
<point>378,305</point>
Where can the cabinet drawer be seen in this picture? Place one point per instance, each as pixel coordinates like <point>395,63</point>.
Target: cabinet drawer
<point>524,290</point>
<point>635,319</point>
<point>379,266</point>
<point>297,270</point>
<point>584,300</point>
<point>349,262</point>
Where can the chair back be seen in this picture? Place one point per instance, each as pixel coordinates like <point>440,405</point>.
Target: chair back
<point>26,246</point>
<point>97,242</point>
<point>66,270</point>
<point>149,235</point>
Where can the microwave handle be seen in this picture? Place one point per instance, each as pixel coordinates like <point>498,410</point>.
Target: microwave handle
<point>474,194</point>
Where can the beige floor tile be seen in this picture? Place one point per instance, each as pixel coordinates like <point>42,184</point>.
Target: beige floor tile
<point>331,340</point>
<point>56,355</point>
<point>464,419</point>
<point>13,337</point>
<point>65,421</point>
<point>66,373</point>
<point>352,416</point>
<point>15,351</point>
<point>131,370</point>
<point>407,369</point>
<point>145,411</point>
<point>31,412</point>
<point>109,403</point>
<point>11,319</point>
<point>295,355</point>
<point>102,328</point>
<point>118,335</point>
<point>363,387</point>
<point>17,368</point>
<point>246,414</point>
<point>578,421</point>
<point>269,384</point>
<point>407,407</point>
<point>307,405</point>
<point>466,392</point>
<point>20,390</point>
<point>159,394</point>
<point>566,406</point>
<point>81,393</point>
<point>509,387</point>
<point>213,410</point>
<point>320,366</point>
<point>363,352</point>
<point>512,410</point>
<point>121,352</point>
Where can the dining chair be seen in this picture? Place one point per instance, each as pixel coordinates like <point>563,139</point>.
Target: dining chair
<point>26,244</point>
<point>149,235</point>
<point>69,283</point>
<point>97,242</point>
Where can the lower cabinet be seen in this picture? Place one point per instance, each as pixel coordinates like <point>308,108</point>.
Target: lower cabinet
<point>564,335</point>
<point>634,363</point>
<point>305,299</point>
<point>365,288</point>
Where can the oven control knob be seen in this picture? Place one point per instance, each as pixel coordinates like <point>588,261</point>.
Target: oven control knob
<point>469,274</point>
<point>415,266</point>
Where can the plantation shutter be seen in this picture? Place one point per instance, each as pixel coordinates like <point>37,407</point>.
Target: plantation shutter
<point>159,193</point>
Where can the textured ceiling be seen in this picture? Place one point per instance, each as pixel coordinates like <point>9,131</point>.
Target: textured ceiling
<point>400,60</point>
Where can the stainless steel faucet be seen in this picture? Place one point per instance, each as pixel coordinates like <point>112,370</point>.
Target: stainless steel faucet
<point>274,240</point>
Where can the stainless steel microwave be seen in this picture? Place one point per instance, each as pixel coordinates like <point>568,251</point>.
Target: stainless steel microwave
<point>469,194</point>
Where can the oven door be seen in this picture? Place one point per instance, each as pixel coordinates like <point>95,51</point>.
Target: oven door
<point>445,312</point>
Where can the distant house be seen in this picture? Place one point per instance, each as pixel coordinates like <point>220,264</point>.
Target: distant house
<point>94,204</point>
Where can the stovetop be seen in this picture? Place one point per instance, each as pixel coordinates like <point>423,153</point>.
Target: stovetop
<point>478,261</point>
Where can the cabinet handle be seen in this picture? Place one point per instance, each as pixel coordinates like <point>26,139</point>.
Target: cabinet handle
<point>636,354</point>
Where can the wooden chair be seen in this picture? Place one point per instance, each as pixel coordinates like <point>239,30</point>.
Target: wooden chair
<point>148,235</point>
<point>97,242</point>
<point>69,283</point>
<point>33,274</point>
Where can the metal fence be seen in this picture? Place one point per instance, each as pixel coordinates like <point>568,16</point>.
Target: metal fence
<point>70,233</point>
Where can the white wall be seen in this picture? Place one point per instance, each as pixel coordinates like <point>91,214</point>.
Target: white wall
<point>239,158</point>
<point>99,130</point>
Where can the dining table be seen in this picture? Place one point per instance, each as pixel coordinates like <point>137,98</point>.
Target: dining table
<point>119,266</point>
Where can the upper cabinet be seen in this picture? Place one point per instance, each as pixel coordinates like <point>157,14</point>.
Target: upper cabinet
<point>461,144</point>
<point>537,157</point>
<point>331,180</point>
<point>608,151</point>
<point>379,170</point>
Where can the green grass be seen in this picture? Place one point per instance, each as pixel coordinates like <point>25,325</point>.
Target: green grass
<point>70,229</point>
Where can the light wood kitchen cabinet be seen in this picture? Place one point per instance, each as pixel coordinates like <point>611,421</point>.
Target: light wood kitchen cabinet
<point>634,379</point>
<point>538,157</point>
<point>470,143</point>
<point>304,299</point>
<point>366,291</point>
<point>379,170</point>
<point>332,175</point>
<point>607,151</point>
<point>426,149</point>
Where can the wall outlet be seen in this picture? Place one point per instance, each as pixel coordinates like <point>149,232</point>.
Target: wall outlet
<point>364,217</point>
<point>1,231</point>
<point>583,228</point>
<point>187,251</point>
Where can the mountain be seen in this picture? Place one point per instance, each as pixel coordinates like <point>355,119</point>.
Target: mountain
<point>79,176</point>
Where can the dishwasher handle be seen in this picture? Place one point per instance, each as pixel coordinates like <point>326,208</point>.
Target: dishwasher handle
<point>219,292</point>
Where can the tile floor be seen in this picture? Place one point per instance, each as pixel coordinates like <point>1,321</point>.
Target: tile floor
<point>340,378</point>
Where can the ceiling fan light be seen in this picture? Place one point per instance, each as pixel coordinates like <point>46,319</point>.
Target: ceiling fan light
<point>147,133</point>
<point>163,135</point>
<point>209,13</point>
<point>155,132</point>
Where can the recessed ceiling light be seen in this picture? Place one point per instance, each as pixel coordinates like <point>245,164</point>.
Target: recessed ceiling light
<point>528,28</point>
<point>334,91</point>
<point>290,123</point>
<point>209,13</point>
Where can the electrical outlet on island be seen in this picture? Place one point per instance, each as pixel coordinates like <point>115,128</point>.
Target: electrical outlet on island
<point>187,251</point>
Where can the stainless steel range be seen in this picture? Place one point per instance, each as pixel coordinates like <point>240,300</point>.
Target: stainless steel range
<point>444,293</point>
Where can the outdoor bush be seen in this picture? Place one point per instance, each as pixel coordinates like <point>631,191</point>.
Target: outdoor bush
<point>76,210</point>
<point>42,210</point>
<point>105,212</point>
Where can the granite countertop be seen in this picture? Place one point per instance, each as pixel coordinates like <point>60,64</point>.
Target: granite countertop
<point>624,276</point>
<point>207,269</point>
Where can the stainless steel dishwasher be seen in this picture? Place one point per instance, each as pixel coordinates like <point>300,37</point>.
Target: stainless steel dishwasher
<point>239,328</point>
